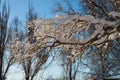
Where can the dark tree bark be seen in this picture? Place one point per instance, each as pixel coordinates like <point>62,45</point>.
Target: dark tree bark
<point>1,63</point>
<point>32,77</point>
<point>70,71</point>
<point>27,78</point>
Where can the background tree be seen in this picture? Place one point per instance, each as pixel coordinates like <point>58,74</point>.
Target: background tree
<point>18,29</point>
<point>66,7</point>
<point>102,64</point>
<point>14,31</point>
<point>70,66</point>
<point>28,63</point>
<point>96,8</point>
<point>4,16</point>
<point>31,57</point>
<point>100,8</point>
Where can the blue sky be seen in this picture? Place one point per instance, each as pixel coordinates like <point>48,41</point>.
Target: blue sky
<point>20,7</point>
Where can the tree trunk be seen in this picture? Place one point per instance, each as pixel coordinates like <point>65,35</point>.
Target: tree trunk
<point>28,67</point>
<point>32,77</point>
<point>70,72</point>
<point>27,78</point>
<point>1,63</point>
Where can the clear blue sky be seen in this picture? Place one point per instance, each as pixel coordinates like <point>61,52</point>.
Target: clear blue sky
<point>20,7</point>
